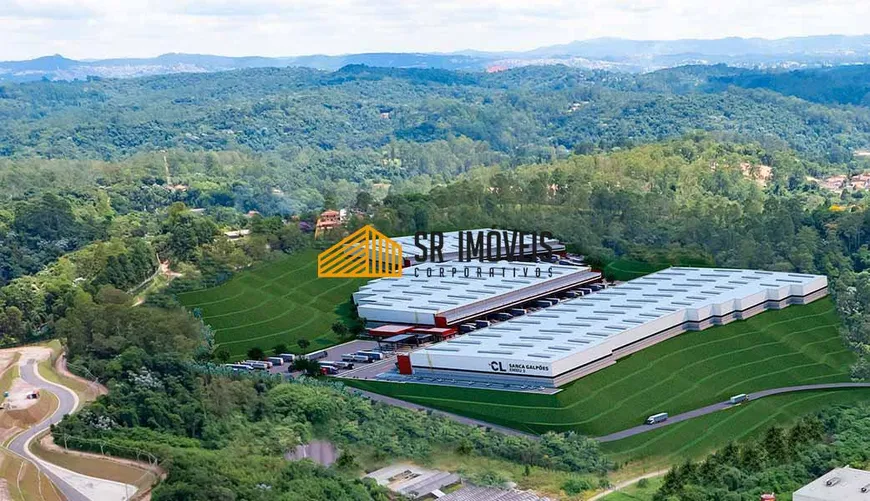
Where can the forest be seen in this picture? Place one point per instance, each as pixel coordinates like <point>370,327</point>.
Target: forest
<point>108,184</point>
<point>783,460</point>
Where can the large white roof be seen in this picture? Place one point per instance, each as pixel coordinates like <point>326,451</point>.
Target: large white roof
<point>433,289</point>
<point>841,484</point>
<point>578,331</point>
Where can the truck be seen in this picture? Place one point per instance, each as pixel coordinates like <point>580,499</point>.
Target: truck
<point>317,355</point>
<point>657,418</point>
<point>328,370</point>
<point>736,399</point>
<point>353,357</point>
<point>373,355</point>
<point>275,360</point>
<point>342,365</point>
<point>480,324</point>
<point>517,311</point>
<point>503,316</point>
<point>466,328</point>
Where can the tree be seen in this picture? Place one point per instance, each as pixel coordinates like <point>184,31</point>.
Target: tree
<point>339,329</point>
<point>303,343</point>
<point>280,348</point>
<point>256,353</point>
<point>347,461</point>
<point>222,355</point>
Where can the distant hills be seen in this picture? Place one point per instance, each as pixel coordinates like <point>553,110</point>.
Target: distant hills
<point>600,53</point>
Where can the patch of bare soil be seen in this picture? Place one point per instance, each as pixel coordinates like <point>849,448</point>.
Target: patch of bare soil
<point>60,367</point>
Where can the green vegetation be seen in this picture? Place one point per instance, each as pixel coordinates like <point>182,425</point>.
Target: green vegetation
<point>640,491</point>
<point>628,269</point>
<point>697,437</point>
<point>282,301</point>
<point>219,433</point>
<point>800,344</point>
<point>778,460</point>
<point>334,119</point>
<point>102,178</point>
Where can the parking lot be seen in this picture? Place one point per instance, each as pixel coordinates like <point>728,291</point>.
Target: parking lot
<point>334,353</point>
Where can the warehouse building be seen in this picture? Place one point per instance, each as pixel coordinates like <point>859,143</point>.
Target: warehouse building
<point>840,484</point>
<point>577,337</point>
<point>447,294</point>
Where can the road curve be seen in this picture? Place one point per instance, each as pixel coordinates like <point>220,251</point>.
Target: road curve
<point>637,430</point>
<point>68,401</point>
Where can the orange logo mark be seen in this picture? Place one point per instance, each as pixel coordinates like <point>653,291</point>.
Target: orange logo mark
<point>365,253</point>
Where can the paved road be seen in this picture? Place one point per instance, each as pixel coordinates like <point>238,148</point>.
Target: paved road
<point>637,430</point>
<point>67,403</point>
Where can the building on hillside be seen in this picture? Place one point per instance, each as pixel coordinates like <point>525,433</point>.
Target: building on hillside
<point>448,294</point>
<point>840,484</point>
<point>578,336</point>
<point>237,234</point>
<point>328,220</point>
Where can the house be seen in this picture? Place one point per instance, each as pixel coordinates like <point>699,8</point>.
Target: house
<point>237,234</point>
<point>328,220</point>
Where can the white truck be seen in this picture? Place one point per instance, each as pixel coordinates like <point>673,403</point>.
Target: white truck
<point>657,418</point>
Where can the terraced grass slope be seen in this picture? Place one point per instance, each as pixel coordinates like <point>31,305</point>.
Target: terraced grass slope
<point>796,345</point>
<point>698,437</point>
<point>278,302</point>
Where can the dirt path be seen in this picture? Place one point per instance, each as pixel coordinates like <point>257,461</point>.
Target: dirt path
<point>626,483</point>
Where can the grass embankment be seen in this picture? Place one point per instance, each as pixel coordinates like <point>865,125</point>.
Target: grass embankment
<point>21,481</point>
<point>277,302</point>
<point>635,492</point>
<point>797,345</point>
<point>10,373</point>
<point>86,391</point>
<point>91,464</point>
<point>629,269</point>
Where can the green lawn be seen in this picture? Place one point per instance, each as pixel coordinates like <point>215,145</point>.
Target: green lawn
<point>697,437</point>
<point>278,302</point>
<point>796,345</point>
<point>635,493</point>
<point>629,269</point>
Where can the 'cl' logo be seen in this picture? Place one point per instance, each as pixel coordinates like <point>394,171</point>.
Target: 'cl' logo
<point>496,366</point>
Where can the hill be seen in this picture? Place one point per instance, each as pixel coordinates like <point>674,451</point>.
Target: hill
<point>598,53</point>
<point>797,345</point>
<point>279,302</point>
<point>358,116</point>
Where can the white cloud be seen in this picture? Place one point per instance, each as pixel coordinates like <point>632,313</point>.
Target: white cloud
<point>112,28</point>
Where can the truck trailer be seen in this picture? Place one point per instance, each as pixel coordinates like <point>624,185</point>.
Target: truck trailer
<point>657,418</point>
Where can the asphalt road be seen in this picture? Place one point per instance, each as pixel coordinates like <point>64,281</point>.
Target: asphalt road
<point>637,430</point>
<point>67,402</point>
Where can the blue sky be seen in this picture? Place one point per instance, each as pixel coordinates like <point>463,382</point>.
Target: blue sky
<point>142,28</point>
